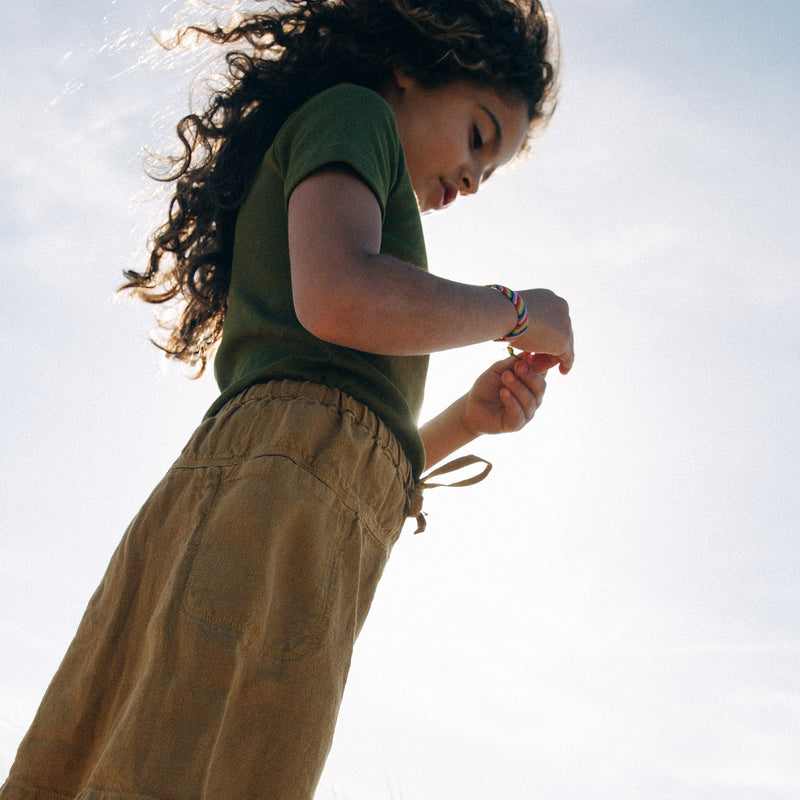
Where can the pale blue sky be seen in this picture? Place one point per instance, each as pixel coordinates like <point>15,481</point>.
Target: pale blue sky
<point>615,613</point>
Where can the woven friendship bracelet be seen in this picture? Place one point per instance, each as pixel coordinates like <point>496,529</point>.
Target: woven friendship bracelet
<point>519,305</point>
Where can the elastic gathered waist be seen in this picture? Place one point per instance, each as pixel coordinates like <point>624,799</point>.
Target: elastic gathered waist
<point>319,427</point>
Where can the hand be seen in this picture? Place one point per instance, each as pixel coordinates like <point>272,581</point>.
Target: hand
<point>506,396</point>
<point>549,328</point>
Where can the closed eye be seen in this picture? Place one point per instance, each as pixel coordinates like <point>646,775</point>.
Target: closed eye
<point>477,139</point>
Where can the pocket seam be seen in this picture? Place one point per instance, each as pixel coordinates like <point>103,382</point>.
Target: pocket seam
<point>247,633</point>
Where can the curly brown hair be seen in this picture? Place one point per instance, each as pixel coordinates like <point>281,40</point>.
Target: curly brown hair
<point>283,57</point>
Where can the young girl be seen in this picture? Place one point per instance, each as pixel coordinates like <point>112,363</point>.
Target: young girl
<point>211,660</point>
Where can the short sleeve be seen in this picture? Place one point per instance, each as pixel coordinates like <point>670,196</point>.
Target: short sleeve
<point>346,124</point>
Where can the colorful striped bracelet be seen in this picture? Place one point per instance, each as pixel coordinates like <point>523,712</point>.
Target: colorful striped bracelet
<point>519,305</point>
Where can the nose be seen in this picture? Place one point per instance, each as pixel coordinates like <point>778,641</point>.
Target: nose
<point>470,181</point>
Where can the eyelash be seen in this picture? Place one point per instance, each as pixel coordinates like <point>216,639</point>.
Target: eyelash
<point>477,139</point>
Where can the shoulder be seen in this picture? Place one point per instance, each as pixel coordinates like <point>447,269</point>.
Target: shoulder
<point>349,97</point>
<point>345,124</point>
<point>344,109</point>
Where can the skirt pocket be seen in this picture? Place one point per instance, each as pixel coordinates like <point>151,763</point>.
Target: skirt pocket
<point>265,558</point>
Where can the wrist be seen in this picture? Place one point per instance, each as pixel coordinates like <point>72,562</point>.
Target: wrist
<point>460,431</point>
<point>447,432</point>
<point>519,306</point>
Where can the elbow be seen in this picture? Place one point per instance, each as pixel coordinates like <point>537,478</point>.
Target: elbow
<point>327,318</point>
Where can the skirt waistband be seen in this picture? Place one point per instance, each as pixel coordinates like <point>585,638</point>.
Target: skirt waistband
<point>319,427</point>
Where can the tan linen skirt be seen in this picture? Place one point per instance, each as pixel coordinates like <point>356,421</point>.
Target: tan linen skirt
<point>211,660</point>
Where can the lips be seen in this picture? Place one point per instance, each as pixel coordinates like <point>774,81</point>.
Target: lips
<point>449,194</point>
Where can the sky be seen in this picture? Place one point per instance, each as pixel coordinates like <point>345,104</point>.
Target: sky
<point>615,612</point>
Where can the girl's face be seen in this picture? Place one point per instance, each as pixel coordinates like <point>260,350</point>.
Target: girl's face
<point>454,136</point>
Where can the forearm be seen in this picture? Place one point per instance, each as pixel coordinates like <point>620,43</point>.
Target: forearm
<point>380,304</point>
<point>348,293</point>
<point>446,433</point>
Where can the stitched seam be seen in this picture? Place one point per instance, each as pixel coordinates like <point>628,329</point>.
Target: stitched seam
<point>344,491</point>
<point>334,408</point>
<point>317,623</point>
<point>45,794</point>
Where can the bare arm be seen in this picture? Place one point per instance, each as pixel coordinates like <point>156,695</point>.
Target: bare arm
<point>503,399</point>
<point>347,293</point>
<point>445,433</point>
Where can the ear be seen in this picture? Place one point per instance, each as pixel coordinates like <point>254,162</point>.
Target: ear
<point>402,79</point>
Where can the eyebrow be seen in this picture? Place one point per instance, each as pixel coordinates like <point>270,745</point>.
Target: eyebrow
<point>498,131</point>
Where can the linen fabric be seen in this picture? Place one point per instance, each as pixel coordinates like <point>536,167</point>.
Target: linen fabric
<point>262,338</point>
<point>212,658</point>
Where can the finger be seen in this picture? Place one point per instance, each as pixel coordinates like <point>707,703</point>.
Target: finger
<point>533,379</point>
<point>515,416</point>
<point>527,388</point>
<point>541,362</point>
<point>567,359</point>
<point>508,363</point>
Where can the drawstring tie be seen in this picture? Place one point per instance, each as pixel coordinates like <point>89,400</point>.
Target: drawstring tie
<point>415,498</point>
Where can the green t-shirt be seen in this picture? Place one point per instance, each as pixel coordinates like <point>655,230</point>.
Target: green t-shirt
<point>262,339</point>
